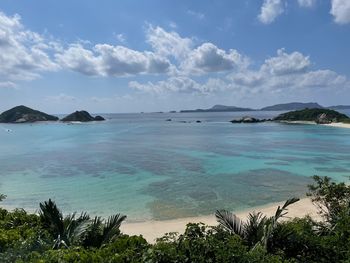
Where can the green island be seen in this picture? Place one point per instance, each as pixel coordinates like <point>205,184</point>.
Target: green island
<point>49,236</point>
<point>23,114</point>
<point>318,115</point>
<point>81,116</point>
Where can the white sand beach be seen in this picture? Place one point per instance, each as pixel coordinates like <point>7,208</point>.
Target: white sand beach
<point>333,124</point>
<point>151,230</point>
<point>338,124</point>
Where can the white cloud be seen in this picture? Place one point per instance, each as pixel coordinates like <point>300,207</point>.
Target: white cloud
<point>286,63</point>
<point>168,43</point>
<point>23,54</point>
<point>306,3</point>
<point>270,10</point>
<point>209,58</point>
<point>282,74</point>
<point>61,98</point>
<point>120,61</point>
<point>181,85</point>
<point>195,14</point>
<point>108,60</point>
<point>341,11</point>
<point>7,85</point>
<point>323,78</point>
<point>173,84</point>
<point>288,71</point>
<point>120,37</point>
<point>173,25</point>
<point>77,58</point>
<point>246,78</point>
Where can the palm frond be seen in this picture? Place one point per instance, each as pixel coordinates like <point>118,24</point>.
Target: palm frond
<point>272,222</point>
<point>2,197</point>
<point>52,217</point>
<point>254,228</point>
<point>96,224</point>
<point>229,221</point>
<point>83,217</point>
<point>93,235</point>
<point>75,228</point>
<point>111,228</point>
<point>282,211</point>
<point>78,232</point>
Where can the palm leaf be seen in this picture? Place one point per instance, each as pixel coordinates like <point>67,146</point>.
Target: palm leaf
<point>93,237</point>
<point>229,221</point>
<point>111,228</point>
<point>280,210</point>
<point>254,228</point>
<point>75,228</point>
<point>52,217</point>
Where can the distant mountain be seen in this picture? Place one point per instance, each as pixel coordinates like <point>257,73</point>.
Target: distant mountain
<point>81,116</point>
<point>292,106</point>
<point>23,114</point>
<point>339,107</point>
<point>220,108</point>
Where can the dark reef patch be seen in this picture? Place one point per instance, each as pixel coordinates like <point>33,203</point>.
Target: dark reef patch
<point>200,194</point>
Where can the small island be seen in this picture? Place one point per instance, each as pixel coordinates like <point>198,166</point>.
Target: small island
<point>23,114</point>
<point>316,115</point>
<point>248,119</point>
<point>81,116</point>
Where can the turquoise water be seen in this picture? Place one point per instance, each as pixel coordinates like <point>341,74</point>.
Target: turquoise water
<point>149,168</point>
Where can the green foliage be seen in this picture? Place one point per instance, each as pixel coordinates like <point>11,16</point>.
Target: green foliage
<point>28,114</point>
<point>258,230</point>
<point>28,237</point>
<point>2,197</point>
<point>312,115</point>
<point>66,230</point>
<point>20,234</point>
<point>200,243</point>
<point>99,233</point>
<point>332,199</point>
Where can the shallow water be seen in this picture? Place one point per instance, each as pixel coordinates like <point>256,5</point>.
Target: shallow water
<point>149,168</point>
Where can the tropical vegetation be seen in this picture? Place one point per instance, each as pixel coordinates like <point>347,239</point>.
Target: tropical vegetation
<point>313,114</point>
<point>51,236</point>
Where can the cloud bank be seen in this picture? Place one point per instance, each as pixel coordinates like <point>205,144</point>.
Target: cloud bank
<point>178,63</point>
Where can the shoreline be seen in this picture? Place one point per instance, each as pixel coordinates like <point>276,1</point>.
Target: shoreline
<point>338,125</point>
<point>153,229</point>
<point>333,124</point>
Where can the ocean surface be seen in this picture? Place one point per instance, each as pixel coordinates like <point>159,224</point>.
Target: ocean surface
<point>148,168</point>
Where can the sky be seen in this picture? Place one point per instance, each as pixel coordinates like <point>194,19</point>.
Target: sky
<point>162,55</point>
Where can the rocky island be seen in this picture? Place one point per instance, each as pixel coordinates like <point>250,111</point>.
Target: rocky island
<point>249,119</point>
<point>81,116</point>
<point>317,115</point>
<point>23,114</point>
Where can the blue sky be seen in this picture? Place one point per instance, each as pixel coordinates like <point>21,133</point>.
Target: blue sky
<point>160,55</point>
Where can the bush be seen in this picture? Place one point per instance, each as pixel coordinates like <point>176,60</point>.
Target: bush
<point>26,238</point>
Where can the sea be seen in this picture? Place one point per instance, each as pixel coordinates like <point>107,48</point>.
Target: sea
<point>158,166</point>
